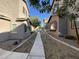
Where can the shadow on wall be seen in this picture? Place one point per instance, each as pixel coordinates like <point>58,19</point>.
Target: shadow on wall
<point>4,36</point>
<point>20,32</point>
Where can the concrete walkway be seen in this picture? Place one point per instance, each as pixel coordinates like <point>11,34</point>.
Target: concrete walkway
<point>37,51</point>
<point>12,55</point>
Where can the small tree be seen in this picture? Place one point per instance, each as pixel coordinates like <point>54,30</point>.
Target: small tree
<point>64,11</point>
<point>35,21</point>
<point>73,18</point>
<point>41,5</point>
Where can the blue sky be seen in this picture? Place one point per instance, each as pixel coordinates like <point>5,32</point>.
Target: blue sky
<point>34,12</point>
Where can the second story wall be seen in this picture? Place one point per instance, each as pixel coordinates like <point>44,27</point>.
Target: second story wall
<point>14,9</point>
<point>23,9</point>
<point>9,8</point>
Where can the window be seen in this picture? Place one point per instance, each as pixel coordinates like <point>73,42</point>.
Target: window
<point>13,28</point>
<point>77,23</point>
<point>25,28</point>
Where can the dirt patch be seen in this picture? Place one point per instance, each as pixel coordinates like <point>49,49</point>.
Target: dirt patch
<point>55,50</point>
<point>26,47</point>
<point>12,43</point>
<point>72,42</point>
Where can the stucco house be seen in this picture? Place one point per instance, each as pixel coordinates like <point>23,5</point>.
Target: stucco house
<point>14,19</point>
<point>62,26</point>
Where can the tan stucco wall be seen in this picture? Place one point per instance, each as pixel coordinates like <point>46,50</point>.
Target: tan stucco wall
<point>9,8</point>
<point>54,18</point>
<point>12,9</point>
<point>4,26</point>
<point>20,27</point>
<point>72,30</point>
<point>21,6</point>
<point>4,29</point>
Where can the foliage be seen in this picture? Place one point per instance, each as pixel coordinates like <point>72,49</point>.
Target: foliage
<point>60,13</point>
<point>35,21</point>
<point>72,16</point>
<point>41,5</point>
<point>44,5</point>
<point>40,27</point>
<point>65,8</point>
<point>69,3</point>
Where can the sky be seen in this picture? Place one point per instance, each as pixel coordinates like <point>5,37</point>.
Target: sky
<point>34,12</point>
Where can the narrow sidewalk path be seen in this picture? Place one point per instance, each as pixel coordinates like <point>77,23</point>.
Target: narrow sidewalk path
<point>37,51</point>
<point>4,54</point>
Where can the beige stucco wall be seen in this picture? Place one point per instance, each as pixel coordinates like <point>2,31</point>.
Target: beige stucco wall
<point>72,30</point>
<point>9,8</point>
<point>4,26</point>
<point>54,18</point>
<point>4,29</point>
<point>20,25</point>
<point>12,9</point>
<point>21,6</point>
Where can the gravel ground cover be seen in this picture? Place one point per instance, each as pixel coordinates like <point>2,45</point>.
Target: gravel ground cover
<point>26,47</point>
<point>12,43</point>
<point>56,50</point>
<point>69,41</point>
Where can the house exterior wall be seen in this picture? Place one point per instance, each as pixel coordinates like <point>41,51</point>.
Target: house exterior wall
<point>64,25</point>
<point>54,22</point>
<point>4,29</point>
<point>19,31</point>
<point>9,8</point>
<point>23,5</point>
<point>23,13</point>
<point>12,9</point>
<point>71,31</point>
<point>4,26</point>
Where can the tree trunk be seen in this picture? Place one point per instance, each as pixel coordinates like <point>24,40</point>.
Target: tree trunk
<point>76,31</point>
